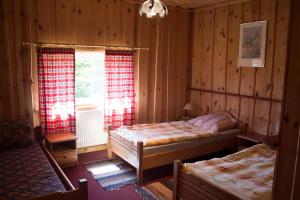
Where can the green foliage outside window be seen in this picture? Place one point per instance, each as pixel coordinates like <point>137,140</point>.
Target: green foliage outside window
<point>82,83</point>
<point>89,78</point>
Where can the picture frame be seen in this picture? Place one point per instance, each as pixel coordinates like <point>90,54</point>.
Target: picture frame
<point>252,44</point>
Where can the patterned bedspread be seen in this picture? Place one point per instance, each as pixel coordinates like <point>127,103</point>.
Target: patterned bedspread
<point>162,133</point>
<point>248,173</point>
<point>25,173</point>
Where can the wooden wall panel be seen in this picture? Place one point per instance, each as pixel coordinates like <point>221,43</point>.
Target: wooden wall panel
<point>142,69</point>
<point>246,112</point>
<point>177,64</point>
<point>197,44</point>
<point>247,82</point>
<point>218,102</point>
<point>233,105</point>
<point>129,24</point>
<point>151,68</point>
<point>9,20</point>
<point>220,49</point>
<point>98,28</point>
<point>63,12</point>
<point>263,83</point>
<point>172,72</point>
<point>160,72</point>
<point>206,59</point>
<point>43,21</point>
<point>281,33</point>
<point>220,57</point>
<point>195,101</point>
<point>262,116</point>
<point>116,22</point>
<point>161,64</point>
<point>206,51</point>
<point>184,62</point>
<point>233,73</point>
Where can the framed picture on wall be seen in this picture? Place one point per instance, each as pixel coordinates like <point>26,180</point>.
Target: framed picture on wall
<point>252,44</point>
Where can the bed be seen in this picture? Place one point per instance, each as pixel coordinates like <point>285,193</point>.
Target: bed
<point>146,146</point>
<point>31,172</point>
<point>247,174</point>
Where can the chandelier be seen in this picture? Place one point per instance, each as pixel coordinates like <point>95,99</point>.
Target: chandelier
<point>153,7</point>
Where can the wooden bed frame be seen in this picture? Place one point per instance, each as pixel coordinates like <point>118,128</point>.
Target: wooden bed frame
<point>134,154</point>
<point>71,194</point>
<point>188,186</point>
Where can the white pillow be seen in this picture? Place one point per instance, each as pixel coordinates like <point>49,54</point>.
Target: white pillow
<point>214,122</point>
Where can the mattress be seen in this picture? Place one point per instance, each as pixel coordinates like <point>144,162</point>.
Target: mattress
<point>177,146</point>
<point>26,173</point>
<point>163,133</point>
<point>248,173</point>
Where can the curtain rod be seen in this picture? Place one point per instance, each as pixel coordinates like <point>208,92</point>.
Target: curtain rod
<point>83,46</point>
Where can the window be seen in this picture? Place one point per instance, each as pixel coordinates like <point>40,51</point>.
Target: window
<point>90,78</point>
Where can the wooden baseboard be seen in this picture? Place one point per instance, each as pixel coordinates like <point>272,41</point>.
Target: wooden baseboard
<point>92,148</point>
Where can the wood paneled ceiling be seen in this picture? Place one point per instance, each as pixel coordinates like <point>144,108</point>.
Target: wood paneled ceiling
<point>193,4</point>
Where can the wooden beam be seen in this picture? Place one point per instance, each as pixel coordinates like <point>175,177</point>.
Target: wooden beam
<point>236,95</point>
<point>287,177</point>
<point>192,5</point>
<point>218,3</point>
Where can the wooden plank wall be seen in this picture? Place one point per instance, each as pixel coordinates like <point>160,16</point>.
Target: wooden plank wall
<point>161,73</point>
<point>214,63</point>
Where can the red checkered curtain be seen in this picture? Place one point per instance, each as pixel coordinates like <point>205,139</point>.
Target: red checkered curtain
<point>56,77</point>
<point>119,95</point>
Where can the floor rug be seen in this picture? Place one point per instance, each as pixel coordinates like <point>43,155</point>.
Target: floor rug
<point>160,190</point>
<point>112,174</point>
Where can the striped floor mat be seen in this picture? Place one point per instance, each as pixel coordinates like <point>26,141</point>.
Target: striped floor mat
<point>112,174</point>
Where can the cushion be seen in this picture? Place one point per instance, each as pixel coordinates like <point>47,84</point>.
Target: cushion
<point>215,122</point>
<point>15,134</point>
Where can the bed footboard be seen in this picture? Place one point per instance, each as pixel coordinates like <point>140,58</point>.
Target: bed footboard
<point>135,155</point>
<point>187,186</point>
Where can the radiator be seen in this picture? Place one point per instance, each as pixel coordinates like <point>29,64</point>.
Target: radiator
<point>89,128</point>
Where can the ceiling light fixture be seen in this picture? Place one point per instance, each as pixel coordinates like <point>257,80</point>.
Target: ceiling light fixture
<point>152,8</point>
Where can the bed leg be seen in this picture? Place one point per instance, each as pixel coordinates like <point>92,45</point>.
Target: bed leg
<point>176,171</point>
<point>83,188</point>
<point>139,169</point>
<point>109,151</point>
